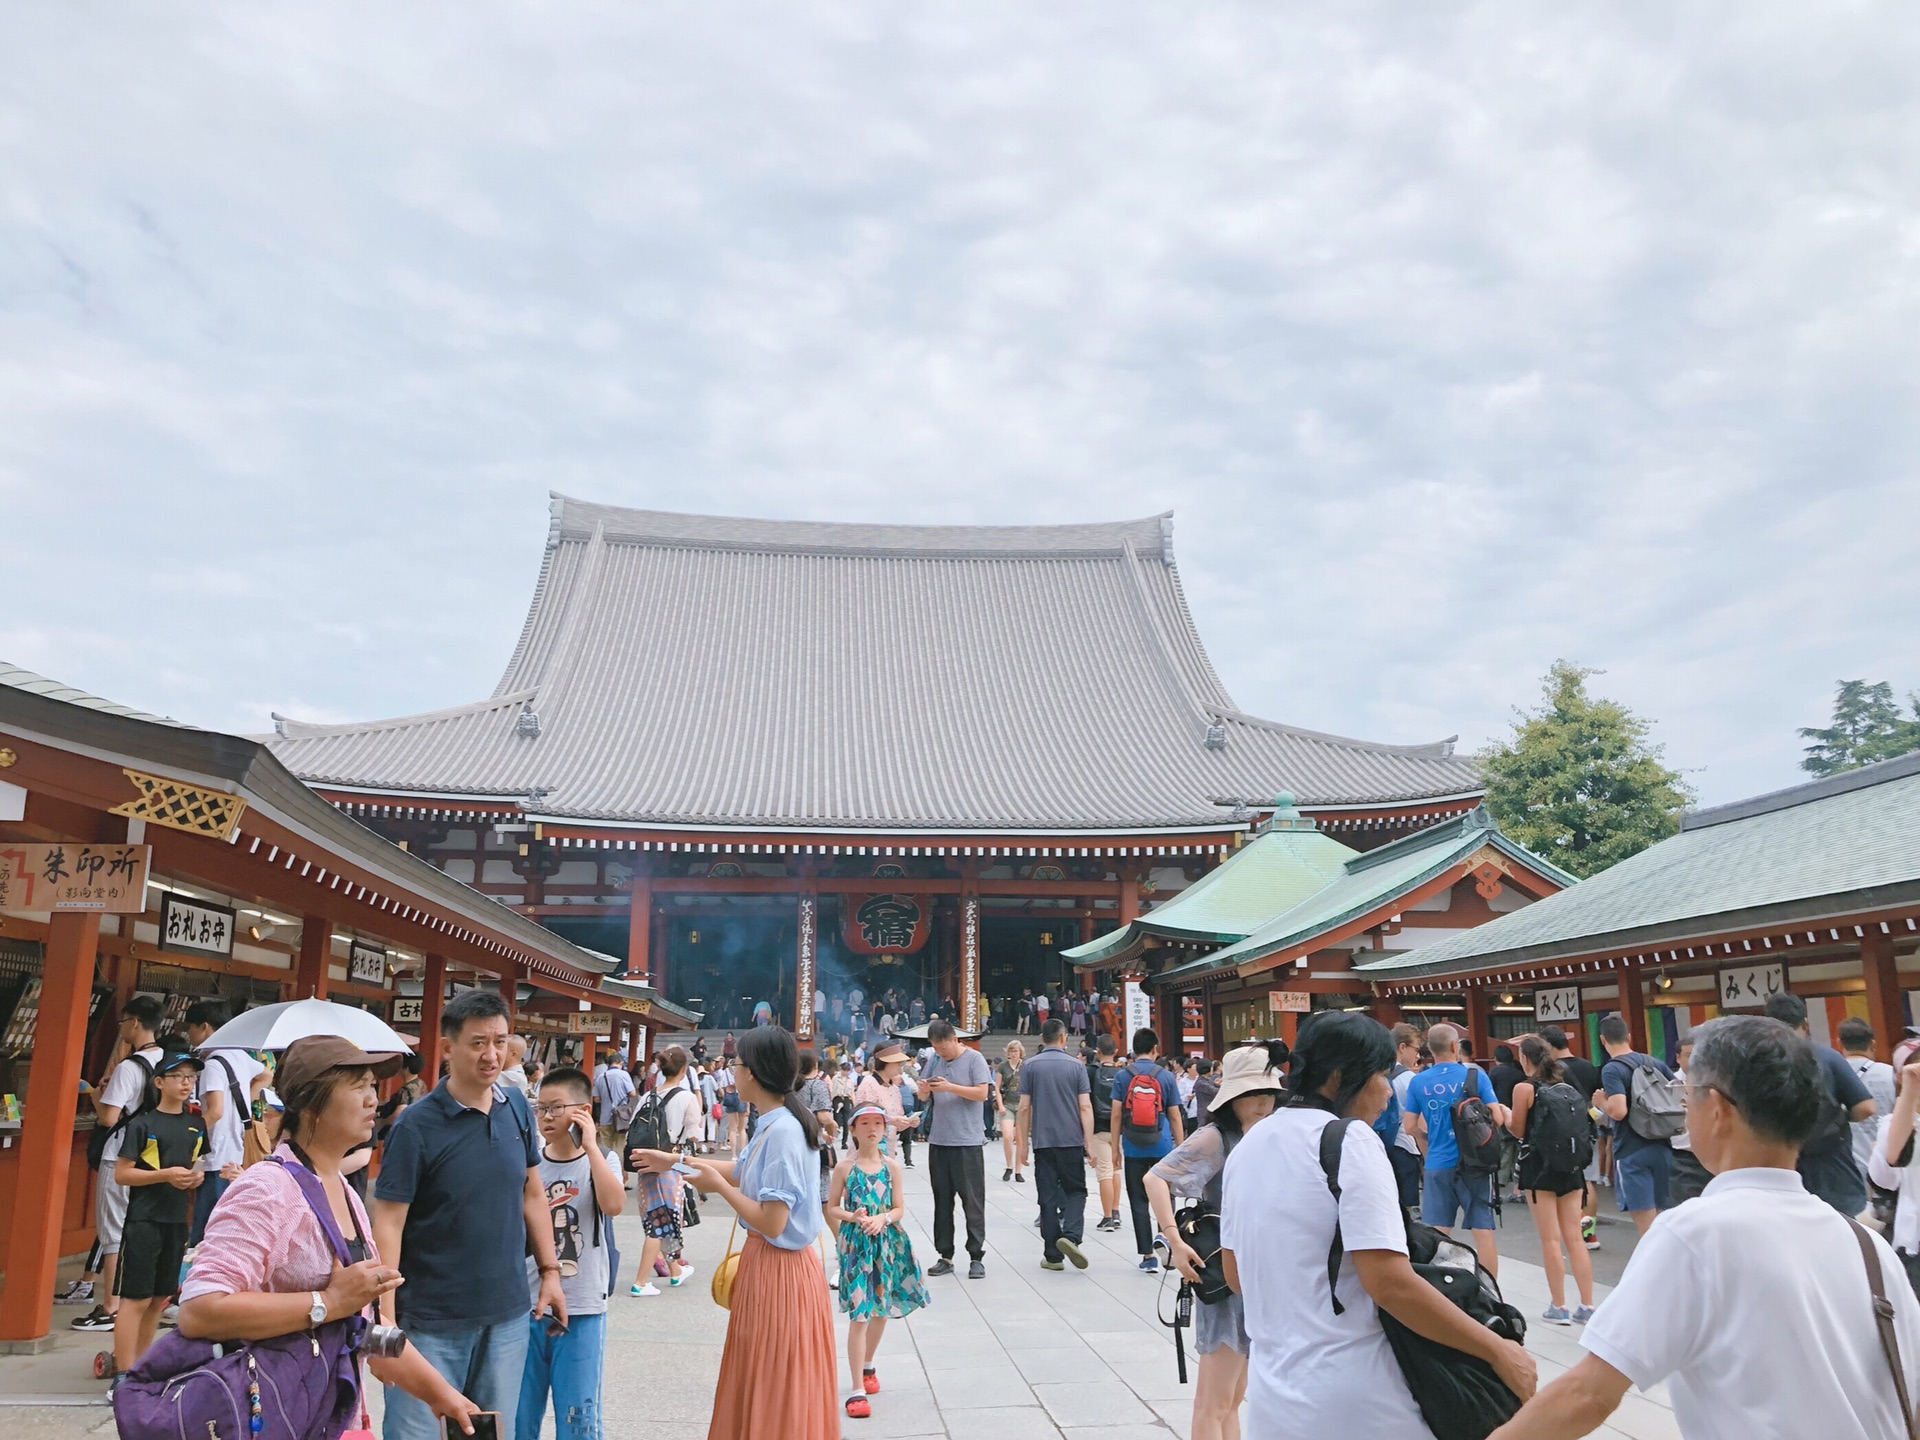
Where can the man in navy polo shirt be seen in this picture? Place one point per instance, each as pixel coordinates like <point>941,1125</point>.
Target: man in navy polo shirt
<point>458,1207</point>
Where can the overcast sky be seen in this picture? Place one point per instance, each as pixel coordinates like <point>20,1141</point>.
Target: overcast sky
<point>1457,338</point>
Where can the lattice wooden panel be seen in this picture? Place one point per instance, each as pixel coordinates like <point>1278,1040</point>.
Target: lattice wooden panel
<point>182,807</point>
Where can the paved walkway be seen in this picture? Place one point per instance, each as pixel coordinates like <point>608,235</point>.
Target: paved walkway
<point>1022,1354</point>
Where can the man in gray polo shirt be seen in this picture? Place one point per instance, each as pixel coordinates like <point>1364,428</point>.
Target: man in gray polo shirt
<point>954,1082</point>
<point>1056,1122</point>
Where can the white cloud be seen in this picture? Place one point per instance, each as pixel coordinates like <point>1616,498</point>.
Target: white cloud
<point>1459,341</point>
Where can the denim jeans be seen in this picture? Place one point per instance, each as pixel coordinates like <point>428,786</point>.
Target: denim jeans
<point>569,1366</point>
<point>204,1199</point>
<point>484,1364</point>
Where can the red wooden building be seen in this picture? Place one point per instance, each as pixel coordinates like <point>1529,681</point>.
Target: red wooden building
<point>758,757</point>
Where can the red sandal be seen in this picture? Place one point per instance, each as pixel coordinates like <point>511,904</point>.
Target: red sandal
<point>858,1407</point>
<point>869,1381</point>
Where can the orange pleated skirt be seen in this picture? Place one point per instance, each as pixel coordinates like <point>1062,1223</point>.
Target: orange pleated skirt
<point>777,1373</point>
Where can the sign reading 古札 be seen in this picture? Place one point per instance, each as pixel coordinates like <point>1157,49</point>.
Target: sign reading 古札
<point>405,1010</point>
<point>110,878</point>
<point>1560,1005</point>
<point>1749,987</point>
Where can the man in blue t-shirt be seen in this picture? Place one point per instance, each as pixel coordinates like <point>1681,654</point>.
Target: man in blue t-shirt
<point>1449,1197</point>
<point>1138,1155</point>
<point>1642,1168</point>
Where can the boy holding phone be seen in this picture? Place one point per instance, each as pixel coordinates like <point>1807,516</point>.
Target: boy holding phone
<point>160,1166</point>
<point>582,1186</point>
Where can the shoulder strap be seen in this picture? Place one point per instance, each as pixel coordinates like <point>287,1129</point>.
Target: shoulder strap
<point>240,1107</point>
<point>315,1195</point>
<point>1331,1140</point>
<point>1883,1319</point>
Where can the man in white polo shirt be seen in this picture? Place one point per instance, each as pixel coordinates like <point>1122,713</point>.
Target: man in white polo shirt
<point>1752,1303</point>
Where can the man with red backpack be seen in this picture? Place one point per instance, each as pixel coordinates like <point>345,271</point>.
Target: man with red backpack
<point>1146,1126</point>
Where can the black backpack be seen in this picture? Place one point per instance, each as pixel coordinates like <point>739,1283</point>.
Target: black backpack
<point>1460,1396</point>
<point>1559,1130</point>
<point>1475,1131</point>
<point>648,1131</point>
<point>1100,1078</point>
<point>97,1141</point>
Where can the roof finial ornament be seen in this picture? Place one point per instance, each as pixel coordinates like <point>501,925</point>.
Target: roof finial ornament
<point>556,502</point>
<point>527,727</point>
<point>1166,538</point>
<point>279,724</point>
<point>1217,735</point>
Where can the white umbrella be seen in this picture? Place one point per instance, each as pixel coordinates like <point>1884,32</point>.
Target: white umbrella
<point>275,1027</point>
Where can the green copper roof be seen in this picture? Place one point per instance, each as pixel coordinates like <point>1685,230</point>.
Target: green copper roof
<point>1366,883</point>
<point>1827,848</point>
<point>1274,871</point>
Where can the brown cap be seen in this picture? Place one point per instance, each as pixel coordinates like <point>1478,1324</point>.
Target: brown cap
<point>314,1055</point>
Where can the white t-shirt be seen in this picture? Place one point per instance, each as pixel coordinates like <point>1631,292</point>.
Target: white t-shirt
<point>1905,1179</point>
<point>1400,1083</point>
<point>226,1142</point>
<point>1313,1374</point>
<point>124,1088</point>
<point>1879,1079</point>
<point>1752,1350</point>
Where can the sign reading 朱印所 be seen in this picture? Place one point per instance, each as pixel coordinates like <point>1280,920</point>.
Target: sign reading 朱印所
<point>195,927</point>
<point>1560,1005</point>
<point>1282,1002</point>
<point>1749,987</point>
<point>111,878</point>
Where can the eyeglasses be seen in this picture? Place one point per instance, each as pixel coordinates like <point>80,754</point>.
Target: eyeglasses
<point>545,1110</point>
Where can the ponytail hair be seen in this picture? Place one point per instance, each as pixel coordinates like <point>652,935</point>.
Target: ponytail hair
<point>1547,1068</point>
<point>773,1059</point>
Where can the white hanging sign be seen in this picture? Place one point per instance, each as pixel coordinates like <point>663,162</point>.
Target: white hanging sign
<point>1749,987</point>
<point>1560,1005</point>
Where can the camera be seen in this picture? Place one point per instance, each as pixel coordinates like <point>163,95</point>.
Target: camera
<point>383,1342</point>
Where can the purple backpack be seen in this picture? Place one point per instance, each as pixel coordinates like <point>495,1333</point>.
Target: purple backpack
<point>304,1386</point>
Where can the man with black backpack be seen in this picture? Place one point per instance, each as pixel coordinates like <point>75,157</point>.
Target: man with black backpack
<point>1452,1111</point>
<point>1826,1158</point>
<point>1145,1124</point>
<point>126,1092</point>
<point>1648,1108</point>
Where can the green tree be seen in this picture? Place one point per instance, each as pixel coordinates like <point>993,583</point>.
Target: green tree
<point>1577,781</point>
<point>1867,726</point>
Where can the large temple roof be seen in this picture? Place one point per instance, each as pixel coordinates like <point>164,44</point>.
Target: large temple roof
<point>688,670</point>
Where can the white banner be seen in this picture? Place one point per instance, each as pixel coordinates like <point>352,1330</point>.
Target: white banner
<point>1139,1008</point>
<point>1559,1006</point>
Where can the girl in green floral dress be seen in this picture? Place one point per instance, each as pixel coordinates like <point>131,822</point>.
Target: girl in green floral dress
<point>879,1278</point>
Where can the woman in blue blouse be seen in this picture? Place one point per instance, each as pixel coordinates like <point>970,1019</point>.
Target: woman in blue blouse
<point>777,1371</point>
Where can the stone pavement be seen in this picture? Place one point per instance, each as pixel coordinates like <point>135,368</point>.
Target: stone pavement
<point>1024,1353</point>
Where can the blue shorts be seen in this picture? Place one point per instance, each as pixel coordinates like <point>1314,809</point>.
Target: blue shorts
<point>1448,1193</point>
<point>1640,1179</point>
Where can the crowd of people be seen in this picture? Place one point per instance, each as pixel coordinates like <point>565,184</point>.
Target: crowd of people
<point>1302,1197</point>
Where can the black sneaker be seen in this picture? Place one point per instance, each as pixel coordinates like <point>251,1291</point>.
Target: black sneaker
<point>977,1270</point>
<point>78,1292</point>
<point>942,1266</point>
<point>94,1319</point>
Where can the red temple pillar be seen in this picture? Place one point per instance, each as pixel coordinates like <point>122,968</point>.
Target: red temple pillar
<point>1886,1010</point>
<point>1479,1023</point>
<point>316,954</point>
<point>1633,1008</point>
<point>510,991</point>
<point>640,958</point>
<point>433,993</point>
<point>46,1131</point>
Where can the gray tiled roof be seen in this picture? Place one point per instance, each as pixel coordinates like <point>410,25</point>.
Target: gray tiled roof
<point>691,670</point>
<point>1848,842</point>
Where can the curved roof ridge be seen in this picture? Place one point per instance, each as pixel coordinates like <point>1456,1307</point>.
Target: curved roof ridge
<point>1430,750</point>
<point>34,683</point>
<point>577,520</point>
<point>287,728</point>
<point>1163,662</point>
<point>556,666</point>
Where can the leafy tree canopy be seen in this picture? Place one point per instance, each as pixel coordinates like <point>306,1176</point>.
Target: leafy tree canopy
<point>1578,782</point>
<point>1867,726</point>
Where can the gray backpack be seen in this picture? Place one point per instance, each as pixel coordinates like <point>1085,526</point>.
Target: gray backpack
<point>1656,1103</point>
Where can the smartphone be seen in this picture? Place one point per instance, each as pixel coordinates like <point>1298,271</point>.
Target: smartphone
<point>486,1426</point>
<point>556,1327</point>
<point>680,1167</point>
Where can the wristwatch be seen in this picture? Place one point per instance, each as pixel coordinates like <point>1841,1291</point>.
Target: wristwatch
<point>317,1313</point>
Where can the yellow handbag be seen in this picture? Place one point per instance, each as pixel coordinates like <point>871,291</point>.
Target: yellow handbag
<point>722,1283</point>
